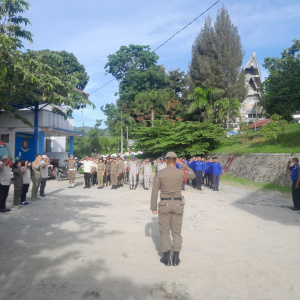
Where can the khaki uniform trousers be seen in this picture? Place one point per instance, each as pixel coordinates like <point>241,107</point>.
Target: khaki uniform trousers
<point>100,178</point>
<point>170,215</point>
<point>114,179</point>
<point>71,175</point>
<point>36,182</point>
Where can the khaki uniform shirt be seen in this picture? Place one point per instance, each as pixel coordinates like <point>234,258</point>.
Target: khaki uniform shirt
<point>72,165</point>
<point>169,182</point>
<point>36,170</point>
<point>101,166</point>
<point>120,164</point>
<point>113,168</point>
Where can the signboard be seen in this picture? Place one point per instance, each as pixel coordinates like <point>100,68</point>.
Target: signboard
<point>24,147</point>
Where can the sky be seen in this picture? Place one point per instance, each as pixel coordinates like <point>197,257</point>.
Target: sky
<point>94,29</point>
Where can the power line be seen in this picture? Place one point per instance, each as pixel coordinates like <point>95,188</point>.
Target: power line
<point>165,41</point>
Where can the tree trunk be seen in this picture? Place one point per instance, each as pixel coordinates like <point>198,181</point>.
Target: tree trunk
<point>152,117</point>
<point>122,140</point>
<point>127,138</point>
<point>227,119</point>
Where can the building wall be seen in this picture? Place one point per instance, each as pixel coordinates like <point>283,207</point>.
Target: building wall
<point>10,125</point>
<point>260,167</point>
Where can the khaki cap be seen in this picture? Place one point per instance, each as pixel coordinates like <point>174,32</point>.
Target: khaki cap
<point>44,156</point>
<point>171,155</point>
<point>4,157</point>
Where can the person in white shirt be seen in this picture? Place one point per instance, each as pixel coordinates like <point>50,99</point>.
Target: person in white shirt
<point>147,173</point>
<point>44,174</point>
<point>5,181</point>
<point>87,170</point>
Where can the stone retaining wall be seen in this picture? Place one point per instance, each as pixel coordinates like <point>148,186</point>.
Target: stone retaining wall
<point>260,167</point>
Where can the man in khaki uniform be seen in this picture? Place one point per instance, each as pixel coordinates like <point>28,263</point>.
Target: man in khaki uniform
<point>170,208</point>
<point>71,171</point>
<point>100,172</point>
<point>36,176</point>
<point>120,171</point>
<point>114,174</point>
<point>107,168</point>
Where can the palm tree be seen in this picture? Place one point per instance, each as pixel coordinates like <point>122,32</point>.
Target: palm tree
<point>202,100</point>
<point>228,109</point>
<point>150,100</point>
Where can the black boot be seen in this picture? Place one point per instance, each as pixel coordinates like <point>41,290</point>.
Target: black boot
<point>166,260</point>
<point>176,259</point>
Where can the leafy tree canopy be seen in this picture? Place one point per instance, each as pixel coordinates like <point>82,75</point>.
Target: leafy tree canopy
<point>11,20</point>
<point>131,57</point>
<point>217,57</point>
<point>282,86</point>
<point>35,76</point>
<point>185,138</point>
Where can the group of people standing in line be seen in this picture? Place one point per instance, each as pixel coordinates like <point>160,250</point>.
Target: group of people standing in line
<point>207,171</point>
<point>115,171</point>
<point>24,173</point>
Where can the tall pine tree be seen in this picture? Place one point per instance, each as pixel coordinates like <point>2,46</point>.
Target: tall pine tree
<point>217,57</point>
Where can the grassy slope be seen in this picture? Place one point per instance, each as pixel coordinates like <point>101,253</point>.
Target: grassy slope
<point>287,142</point>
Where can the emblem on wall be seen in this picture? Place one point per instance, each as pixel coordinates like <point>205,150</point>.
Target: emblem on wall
<point>25,145</point>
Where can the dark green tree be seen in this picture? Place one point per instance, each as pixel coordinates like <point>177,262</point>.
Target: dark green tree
<point>282,86</point>
<point>185,138</point>
<point>217,57</point>
<point>150,101</point>
<point>136,70</point>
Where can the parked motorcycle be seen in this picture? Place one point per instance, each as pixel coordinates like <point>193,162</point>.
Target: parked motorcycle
<point>51,172</point>
<point>61,173</point>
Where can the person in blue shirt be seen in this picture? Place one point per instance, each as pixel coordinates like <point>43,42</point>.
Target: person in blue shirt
<point>191,164</point>
<point>199,167</point>
<point>216,170</point>
<point>294,176</point>
<point>207,172</point>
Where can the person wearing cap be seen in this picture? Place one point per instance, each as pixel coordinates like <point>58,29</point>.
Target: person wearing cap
<point>71,171</point>
<point>5,181</point>
<point>160,165</point>
<point>171,207</point>
<point>36,176</point>
<point>100,172</point>
<point>44,174</point>
<point>147,173</point>
<point>114,174</point>
<point>133,171</point>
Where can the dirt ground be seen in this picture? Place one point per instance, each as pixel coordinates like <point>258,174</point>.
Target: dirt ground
<point>238,243</point>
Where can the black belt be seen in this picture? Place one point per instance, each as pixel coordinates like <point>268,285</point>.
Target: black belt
<point>170,198</point>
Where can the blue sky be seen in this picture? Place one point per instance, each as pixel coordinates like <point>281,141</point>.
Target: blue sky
<point>93,29</point>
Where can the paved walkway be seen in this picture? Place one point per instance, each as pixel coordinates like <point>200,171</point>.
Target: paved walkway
<point>78,243</point>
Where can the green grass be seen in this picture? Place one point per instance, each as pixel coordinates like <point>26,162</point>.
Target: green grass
<point>258,185</point>
<point>253,142</point>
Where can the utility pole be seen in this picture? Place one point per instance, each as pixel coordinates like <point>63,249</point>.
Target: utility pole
<point>121,133</point>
